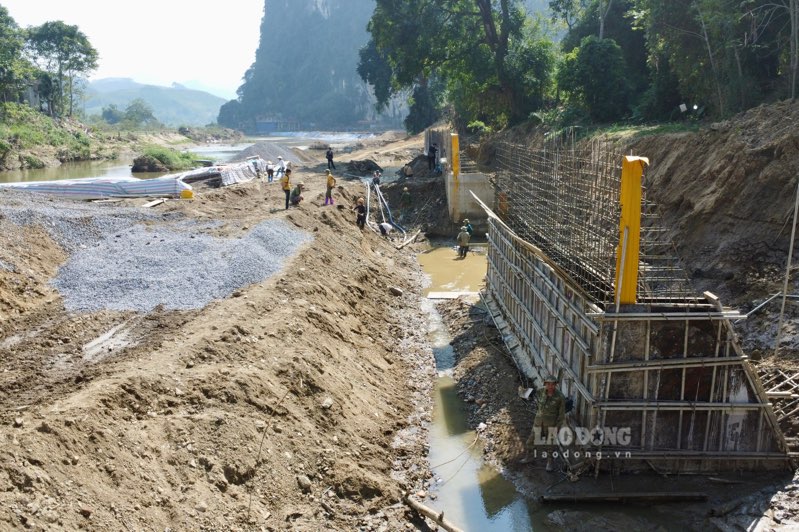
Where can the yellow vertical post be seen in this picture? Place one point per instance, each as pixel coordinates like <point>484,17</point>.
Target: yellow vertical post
<point>456,155</point>
<point>632,169</point>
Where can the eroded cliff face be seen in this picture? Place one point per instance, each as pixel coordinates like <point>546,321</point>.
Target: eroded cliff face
<point>727,193</point>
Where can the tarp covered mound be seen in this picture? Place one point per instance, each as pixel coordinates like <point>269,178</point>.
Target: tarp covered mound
<point>106,187</point>
<point>170,185</point>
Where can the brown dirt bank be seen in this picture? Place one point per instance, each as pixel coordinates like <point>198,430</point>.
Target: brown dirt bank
<point>297,403</point>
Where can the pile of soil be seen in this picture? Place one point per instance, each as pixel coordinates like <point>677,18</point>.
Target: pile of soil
<point>299,402</point>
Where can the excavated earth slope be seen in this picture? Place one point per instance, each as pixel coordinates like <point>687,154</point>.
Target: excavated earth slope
<point>296,401</point>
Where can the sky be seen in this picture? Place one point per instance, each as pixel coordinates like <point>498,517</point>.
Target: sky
<point>160,42</point>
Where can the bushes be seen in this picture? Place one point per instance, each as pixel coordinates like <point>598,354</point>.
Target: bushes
<point>172,159</point>
<point>23,127</point>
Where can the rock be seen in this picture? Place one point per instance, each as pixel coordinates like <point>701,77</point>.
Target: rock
<point>18,422</point>
<point>304,483</point>
<point>85,511</point>
<point>201,506</point>
<point>147,163</point>
<point>395,291</point>
<point>327,403</point>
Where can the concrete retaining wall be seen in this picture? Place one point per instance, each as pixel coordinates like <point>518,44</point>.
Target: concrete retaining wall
<point>460,202</point>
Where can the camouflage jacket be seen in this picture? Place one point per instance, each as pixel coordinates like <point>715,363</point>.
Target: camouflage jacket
<point>551,411</point>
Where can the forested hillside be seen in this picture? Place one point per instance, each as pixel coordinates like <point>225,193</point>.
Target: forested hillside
<point>171,106</point>
<point>305,66</point>
<point>487,65</point>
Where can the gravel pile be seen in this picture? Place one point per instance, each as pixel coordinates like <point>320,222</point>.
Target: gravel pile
<point>118,263</point>
<point>70,223</point>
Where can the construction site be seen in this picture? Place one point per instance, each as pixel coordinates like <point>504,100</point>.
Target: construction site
<point>648,274</point>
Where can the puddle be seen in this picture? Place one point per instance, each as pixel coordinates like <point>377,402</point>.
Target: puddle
<point>473,495</point>
<point>450,274</point>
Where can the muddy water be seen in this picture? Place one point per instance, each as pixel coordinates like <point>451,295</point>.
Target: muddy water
<point>448,273</point>
<point>473,495</point>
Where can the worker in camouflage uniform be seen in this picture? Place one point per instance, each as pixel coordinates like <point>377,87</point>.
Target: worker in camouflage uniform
<point>550,414</point>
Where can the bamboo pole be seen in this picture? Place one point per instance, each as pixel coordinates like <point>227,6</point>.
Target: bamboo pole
<point>787,272</point>
<point>426,511</point>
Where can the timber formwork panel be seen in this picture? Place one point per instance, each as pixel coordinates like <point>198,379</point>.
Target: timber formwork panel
<point>672,376</point>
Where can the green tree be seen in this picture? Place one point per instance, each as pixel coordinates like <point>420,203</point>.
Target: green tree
<point>112,114</point>
<point>139,113</point>
<point>593,75</point>
<point>784,15</point>
<point>15,72</point>
<point>474,46</point>
<point>64,52</point>
<point>722,57</point>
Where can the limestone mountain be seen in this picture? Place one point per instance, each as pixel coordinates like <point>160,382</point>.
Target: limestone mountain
<point>304,73</point>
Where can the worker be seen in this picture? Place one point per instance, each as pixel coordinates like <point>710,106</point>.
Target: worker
<point>431,156</point>
<point>386,228</point>
<point>296,194</point>
<point>550,416</point>
<point>376,178</point>
<point>286,186</point>
<point>270,170</point>
<point>469,228</point>
<point>280,169</point>
<point>331,182</point>
<point>405,203</point>
<point>463,243</point>
<point>360,208</point>
<point>329,156</point>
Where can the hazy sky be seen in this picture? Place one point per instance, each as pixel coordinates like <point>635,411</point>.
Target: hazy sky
<point>160,41</point>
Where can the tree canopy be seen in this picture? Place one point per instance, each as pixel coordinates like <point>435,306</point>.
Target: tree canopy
<point>64,53</point>
<point>493,62</point>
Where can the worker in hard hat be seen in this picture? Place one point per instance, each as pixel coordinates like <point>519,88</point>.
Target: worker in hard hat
<point>463,243</point>
<point>270,171</point>
<point>468,226</point>
<point>550,416</point>
<point>360,208</point>
<point>405,203</point>
<point>331,182</point>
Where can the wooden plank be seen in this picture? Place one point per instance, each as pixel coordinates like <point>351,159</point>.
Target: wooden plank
<point>153,203</point>
<point>449,295</point>
<point>438,517</point>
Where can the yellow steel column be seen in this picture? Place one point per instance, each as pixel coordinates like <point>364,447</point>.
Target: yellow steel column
<point>455,153</point>
<point>632,168</point>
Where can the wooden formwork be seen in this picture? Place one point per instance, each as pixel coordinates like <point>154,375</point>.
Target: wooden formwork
<point>670,373</point>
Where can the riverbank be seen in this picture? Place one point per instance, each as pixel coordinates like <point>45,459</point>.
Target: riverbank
<point>30,139</point>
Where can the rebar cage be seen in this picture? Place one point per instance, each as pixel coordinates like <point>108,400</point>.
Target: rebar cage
<point>667,370</point>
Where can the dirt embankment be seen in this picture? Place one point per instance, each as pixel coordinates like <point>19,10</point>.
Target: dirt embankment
<point>299,402</point>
